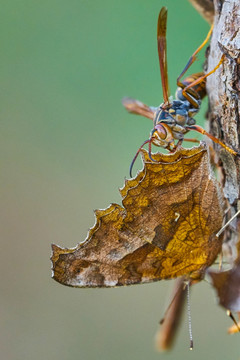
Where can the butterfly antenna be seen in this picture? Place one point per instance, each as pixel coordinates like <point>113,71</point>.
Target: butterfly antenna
<point>189,316</point>
<point>135,157</point>
<point>227,223</point>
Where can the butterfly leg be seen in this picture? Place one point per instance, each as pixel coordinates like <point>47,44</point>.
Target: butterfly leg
<point>213,138</point>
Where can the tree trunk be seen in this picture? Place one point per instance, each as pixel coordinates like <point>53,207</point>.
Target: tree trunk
<point>223,88</point>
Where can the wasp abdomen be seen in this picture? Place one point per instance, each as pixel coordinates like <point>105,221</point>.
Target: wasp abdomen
<point>200,89</point>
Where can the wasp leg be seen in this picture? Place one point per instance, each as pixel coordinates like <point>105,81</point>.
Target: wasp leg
<point>191,95</point>
<point>185,91</point>
<point>213,138</point>
<point>193,58</point>
<point>179,143</point>
<point>192,140</point>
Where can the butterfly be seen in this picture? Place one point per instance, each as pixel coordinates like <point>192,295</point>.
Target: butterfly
<point>165,228</point>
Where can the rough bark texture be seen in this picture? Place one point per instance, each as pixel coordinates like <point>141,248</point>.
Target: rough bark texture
<point>223,88</point>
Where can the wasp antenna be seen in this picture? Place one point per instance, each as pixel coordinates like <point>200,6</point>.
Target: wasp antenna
<point>150,149</point>
<point>135,157</point>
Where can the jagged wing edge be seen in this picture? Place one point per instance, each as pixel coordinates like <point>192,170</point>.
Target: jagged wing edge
<point>128,185</point>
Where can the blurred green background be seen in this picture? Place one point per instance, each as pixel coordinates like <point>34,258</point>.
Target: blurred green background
<point>66,145</point>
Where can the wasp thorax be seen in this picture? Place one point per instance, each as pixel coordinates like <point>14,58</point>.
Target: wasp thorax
<point>181,119</point>
<point>164,116</point>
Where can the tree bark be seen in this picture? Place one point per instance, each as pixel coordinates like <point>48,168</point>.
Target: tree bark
<point>223,88</point>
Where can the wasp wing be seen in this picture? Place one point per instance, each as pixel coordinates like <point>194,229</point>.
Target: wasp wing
<point>162,52</point>
<point>137,107</point>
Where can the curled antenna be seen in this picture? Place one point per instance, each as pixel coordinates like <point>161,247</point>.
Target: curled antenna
<point>149,142</point>
<point>135,157</point>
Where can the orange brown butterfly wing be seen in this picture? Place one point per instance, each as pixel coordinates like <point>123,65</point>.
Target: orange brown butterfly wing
<point>165,228</point>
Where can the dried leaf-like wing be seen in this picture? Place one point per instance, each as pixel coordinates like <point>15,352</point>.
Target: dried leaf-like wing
<point>165,228</point>
<point>227,285</point>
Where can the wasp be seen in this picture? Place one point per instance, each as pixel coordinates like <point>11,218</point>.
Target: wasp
<point>174,118</point>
